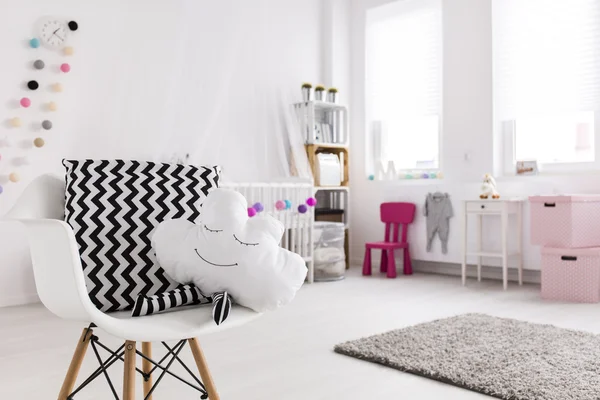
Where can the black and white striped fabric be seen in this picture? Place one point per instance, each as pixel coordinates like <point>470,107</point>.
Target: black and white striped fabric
<point>221,307</point>
<point>114,207</point>
<point>182,296</point>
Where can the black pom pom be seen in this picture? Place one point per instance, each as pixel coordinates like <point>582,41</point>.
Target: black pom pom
<point>33,85</point>
<point>73,25</point>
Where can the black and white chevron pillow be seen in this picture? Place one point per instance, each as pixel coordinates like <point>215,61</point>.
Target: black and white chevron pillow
<point>113,207</point>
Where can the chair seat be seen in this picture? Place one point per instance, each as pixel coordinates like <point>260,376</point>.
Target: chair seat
<point>386,245</point>
<point>189,322</point>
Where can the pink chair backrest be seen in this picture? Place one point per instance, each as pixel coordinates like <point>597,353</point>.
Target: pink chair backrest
<point>396,214</point>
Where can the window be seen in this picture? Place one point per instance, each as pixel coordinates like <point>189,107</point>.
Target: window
<point>403,85</point>
<point>547,82</point>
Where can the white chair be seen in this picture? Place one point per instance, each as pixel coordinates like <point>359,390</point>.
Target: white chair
<point>61,287</point>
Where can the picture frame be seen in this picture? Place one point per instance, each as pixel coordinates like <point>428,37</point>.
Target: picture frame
<point>527,167</point>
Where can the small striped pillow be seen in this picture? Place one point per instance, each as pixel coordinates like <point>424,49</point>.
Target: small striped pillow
<point>182,296</point>
<point>221,307</point>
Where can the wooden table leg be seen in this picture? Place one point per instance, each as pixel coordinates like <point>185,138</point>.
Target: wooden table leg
<point>147,367</point>
<point>75,366</point>
<point>129,371</point>
<point>203,369</point>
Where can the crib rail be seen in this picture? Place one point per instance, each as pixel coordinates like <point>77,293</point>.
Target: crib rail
<point>298,234</point>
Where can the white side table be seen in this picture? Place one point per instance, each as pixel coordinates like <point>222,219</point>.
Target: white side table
<point>502,208</point>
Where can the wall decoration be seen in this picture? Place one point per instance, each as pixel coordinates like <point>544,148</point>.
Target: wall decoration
<point>34,43</point>
<point>53,34</point>
<point>33,85</point>
<point>14,177</point>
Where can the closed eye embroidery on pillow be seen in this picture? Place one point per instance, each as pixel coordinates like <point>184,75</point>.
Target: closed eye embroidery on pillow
<point>244,243</point>
<point>212,230</point>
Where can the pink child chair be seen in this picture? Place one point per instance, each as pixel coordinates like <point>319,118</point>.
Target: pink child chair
<point>392,214</point>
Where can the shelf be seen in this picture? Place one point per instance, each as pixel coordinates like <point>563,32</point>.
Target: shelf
<point>329,145</point>
<point>344,188</point>
<point>322,105</point>
<point>490,254</point>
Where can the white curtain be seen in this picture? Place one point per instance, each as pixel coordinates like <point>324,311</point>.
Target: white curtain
<point>231,97</point>
<point>546,57</point>
<point>404,82</point>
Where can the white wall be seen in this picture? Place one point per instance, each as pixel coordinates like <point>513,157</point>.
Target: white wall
<point>149,78</point>
<point>467,129</point>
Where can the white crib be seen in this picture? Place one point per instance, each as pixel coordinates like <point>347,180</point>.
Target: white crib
<point>298,235</point>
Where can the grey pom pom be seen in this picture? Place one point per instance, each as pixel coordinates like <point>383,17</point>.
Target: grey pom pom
<point>39,64</point>
<point>47,125</point>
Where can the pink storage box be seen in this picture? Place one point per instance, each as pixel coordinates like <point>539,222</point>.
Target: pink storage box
<point>565,221</point>
<point>571,274</point>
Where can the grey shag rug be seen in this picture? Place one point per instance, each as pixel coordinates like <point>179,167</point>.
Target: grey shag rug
<point>503,358</point>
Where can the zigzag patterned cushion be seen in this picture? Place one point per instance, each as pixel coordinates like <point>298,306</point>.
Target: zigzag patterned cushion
<point>113,207</point>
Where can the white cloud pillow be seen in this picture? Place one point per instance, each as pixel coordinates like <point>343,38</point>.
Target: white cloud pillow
<point>227,251</point>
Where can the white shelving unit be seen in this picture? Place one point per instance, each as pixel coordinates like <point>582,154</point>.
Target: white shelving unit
<point>312,113</point>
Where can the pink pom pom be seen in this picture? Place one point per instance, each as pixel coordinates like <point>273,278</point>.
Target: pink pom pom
<point>251,212</point>
<point>65,67</point>
<point>280,205</point>
<point>311,201</point>
<point>25,102</point>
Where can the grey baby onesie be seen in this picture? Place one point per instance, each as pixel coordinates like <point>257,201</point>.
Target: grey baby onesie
<point>438,210</point>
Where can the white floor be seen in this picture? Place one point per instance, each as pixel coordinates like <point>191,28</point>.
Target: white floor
<point>288,354</point>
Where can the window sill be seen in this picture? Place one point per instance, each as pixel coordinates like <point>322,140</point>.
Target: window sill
<point>550,174</point>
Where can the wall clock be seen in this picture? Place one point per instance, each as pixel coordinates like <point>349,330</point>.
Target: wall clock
<point>54,33</point>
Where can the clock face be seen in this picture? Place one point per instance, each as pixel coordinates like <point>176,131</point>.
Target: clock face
<point>54,33</point>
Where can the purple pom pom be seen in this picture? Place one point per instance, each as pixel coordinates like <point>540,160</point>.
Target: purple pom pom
<point>251,212</point>
<point>311,201</point>
<point>302,209</point>
<point>280,205</point>
<point>258,207</point>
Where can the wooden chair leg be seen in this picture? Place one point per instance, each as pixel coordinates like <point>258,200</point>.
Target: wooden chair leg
<point>147,367</point>
<point>75,366</point>
<point>383,266</point>
<point>129,371</point>
<point>391,271</point>
<point>203,369</point>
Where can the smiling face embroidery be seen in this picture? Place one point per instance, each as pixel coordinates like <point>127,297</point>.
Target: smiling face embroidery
<point>216,265</point>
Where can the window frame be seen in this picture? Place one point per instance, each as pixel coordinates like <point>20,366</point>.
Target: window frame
<point>509,136</point>
<point>370,167</point>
